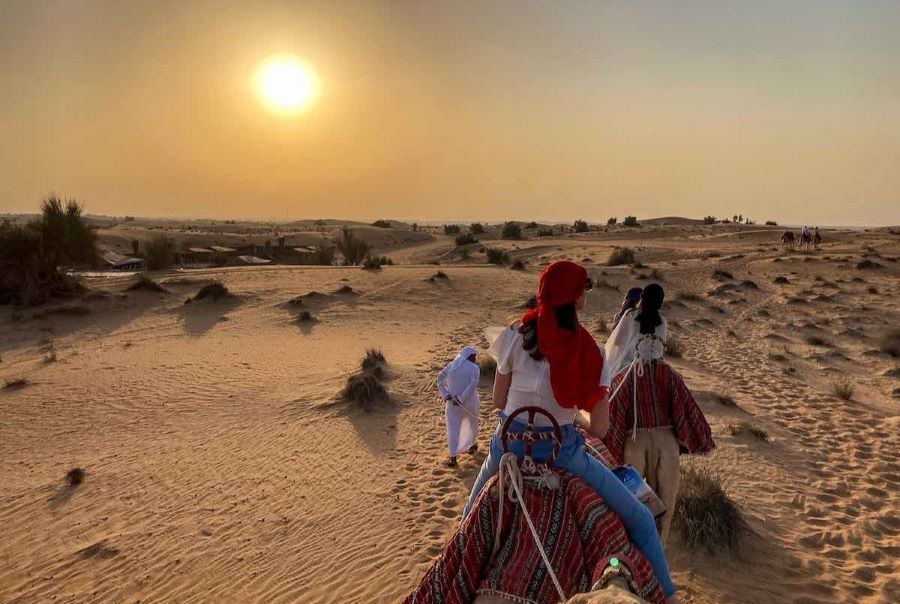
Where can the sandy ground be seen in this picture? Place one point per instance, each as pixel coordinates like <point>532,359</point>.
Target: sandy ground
<point>220,468</point>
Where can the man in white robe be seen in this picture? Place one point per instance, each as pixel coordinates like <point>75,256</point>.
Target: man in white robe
<point>457,384</point>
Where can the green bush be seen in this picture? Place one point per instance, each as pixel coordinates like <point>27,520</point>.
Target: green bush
<point>466,239</point>
<point>351,247</point>
<point>709,220</point>
<point>631,221</point>
<point>476,228</point>
<point>382,224</point>
<point>612,221</point>
<point>496,255</point>
<point>451,229</point>
<point>511,230</point>
<point>581,226</point>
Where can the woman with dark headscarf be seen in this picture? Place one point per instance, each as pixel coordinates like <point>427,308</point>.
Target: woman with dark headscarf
<point>549,360</point>
<point>632,297</point>
<point>640,332</point>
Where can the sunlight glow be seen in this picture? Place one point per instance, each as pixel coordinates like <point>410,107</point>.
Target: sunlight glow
<point>286,85</point>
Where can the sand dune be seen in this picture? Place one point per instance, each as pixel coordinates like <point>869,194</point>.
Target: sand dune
<point>220,467</point>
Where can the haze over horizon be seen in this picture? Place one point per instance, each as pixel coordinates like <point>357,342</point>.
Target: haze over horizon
<point>437,111</point>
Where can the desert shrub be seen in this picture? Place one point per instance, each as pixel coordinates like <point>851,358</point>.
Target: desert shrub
<point>843,389</point>
<point>781,280</point>
<point>75,477</point>
<point>581,226</point>
<point>382,224</point>
<point>612,221</point>
<point>15,383</point>
<point>867,264</point>
<point>531,225</point>
<point>32,256</point>
<point>705,517</point>
<point>305,317</point>
<point>771,223</point>
<point>451,229</point>
<point>872,289</point>
<point>724,399</point>
<point>496,255</point>
<point>631,221</point>
<point>351,247</point>
<point>747,429</point>
<point>890,343</point>
<point>376,262</point>
<point>374,362</point>
<point>476,228</point>
<point>146,284</point>
<point>439,275</point>
<point>466,239</point>
<point>365,390</point>
<point>709,220</point>
<point>722,274</point>
<point>620,256</point>
<point>545,232</point>
<point>212,291</point>
<point>487,365</point>
<point>815,340</point>
<point>346,290</point>
<point>518,265</point>
<point>511,230</point>
<point>674,348</point>
<point>159,253</point>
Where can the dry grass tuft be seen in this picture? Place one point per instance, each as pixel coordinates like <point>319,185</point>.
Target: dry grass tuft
<point>890,343</point>
<point>212,291</point>
<point>722,274</point>
<point>365,390</point>
<point>346,290</point>
<point>146,284</point>
<point>674,348</point>
<point>843,389</point>
<point>75,477</point>
<point>374,363</point>
<point>518,265</point>
<point>726,400</point>
<point>620,256</point>
<point>15,383</point>
<point>815,340</point>
<point>748,429</point>
<point>305,317</point>
<point>705,517</point>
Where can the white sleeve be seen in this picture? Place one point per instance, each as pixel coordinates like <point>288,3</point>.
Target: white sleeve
<point>604,373</point>
<point>502,349</point>
<point>663,330</point>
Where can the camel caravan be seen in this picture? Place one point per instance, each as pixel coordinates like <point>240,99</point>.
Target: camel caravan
<point>577,494</point>
<point>789,241</point>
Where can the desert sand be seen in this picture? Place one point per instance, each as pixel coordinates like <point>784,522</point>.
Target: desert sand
<point>219,465</point>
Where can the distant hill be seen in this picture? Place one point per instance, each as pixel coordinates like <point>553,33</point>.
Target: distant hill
<point>671,221</point>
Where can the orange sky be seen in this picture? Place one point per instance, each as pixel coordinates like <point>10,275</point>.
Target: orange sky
<point>457,110</point>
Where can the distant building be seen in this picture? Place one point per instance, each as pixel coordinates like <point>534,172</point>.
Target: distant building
<point>119,262</point>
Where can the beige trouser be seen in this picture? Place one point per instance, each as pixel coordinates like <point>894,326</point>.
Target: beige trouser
<point>654,453</point>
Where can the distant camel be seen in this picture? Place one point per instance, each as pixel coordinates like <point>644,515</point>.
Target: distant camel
<point>817,240</point>
<point>807,240</point>
<point>787,240</point>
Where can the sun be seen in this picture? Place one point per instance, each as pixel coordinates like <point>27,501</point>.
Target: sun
<point>286,84</point>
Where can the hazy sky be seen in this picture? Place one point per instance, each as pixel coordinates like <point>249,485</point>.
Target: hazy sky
<point>457,110</point>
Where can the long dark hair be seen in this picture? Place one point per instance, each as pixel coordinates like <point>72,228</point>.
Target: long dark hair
<point>651,301</point>
<point>566,318</point>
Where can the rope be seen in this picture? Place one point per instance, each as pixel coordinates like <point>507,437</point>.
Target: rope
<point>509,466</point>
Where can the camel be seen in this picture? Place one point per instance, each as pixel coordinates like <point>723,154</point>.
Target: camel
<point>493,557</point>
<point>787,241</point>
<point>817,240</point>
<point>806,239</point>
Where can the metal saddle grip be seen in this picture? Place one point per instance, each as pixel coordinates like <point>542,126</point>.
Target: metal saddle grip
<point>530,436</point>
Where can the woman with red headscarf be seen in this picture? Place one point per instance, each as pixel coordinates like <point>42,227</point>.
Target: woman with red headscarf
<point>549,360</point>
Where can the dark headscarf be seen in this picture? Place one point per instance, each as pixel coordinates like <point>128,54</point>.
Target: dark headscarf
<point>632,296</point>
<point>651,301</point>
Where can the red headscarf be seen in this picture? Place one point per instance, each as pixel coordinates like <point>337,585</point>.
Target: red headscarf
<point>574,357</point>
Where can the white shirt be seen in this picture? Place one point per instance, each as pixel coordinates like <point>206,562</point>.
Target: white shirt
<point>626,340</point>
<point>530,385</point>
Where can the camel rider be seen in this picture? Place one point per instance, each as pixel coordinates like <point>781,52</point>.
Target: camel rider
<point>804,232</point>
